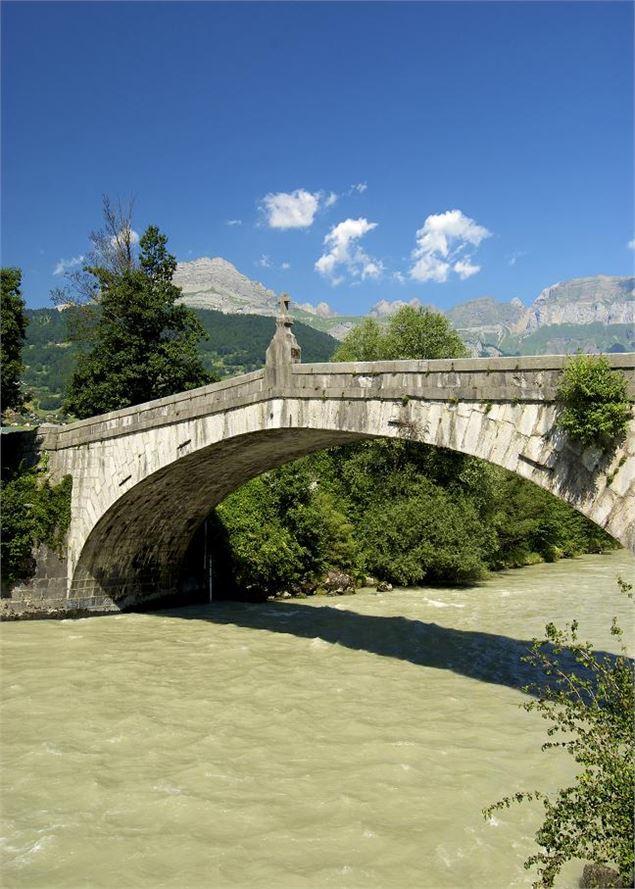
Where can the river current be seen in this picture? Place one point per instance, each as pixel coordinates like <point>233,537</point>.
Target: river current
<point>304,744</point>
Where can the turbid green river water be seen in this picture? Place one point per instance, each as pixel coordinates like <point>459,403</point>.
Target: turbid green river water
<point>341,743</point>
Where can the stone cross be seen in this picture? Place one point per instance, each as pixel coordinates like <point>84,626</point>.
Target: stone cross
<point>284,303</point>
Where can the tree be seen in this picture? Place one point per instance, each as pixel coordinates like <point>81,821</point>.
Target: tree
<point>12,334</point>
<point>144,344</point>
<point>364,342</point>
<point>419,333</point>
<point>411,333</point>
<point>113,248</point>
<point>588,699</point>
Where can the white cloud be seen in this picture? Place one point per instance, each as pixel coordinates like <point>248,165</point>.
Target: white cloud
<point>398,276</point>
<point>372,269</point>
<point>390,306</point>
<point>294,209</point>
<point>65,264</point>
<point>264,261</point>
<point>465,269</point>
<point>344,253</point>
<point>233,222</point>
<point>430,268</point>
<point>122,236</point>
<point>298,209</point>
<point>285,266</point>
<point>441,243</point>
<point>631,244</point>
<point>323,310</point>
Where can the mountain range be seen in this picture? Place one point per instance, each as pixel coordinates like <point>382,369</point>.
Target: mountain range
<point>589,314</point>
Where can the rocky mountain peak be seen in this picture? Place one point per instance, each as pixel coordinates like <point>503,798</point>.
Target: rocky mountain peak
<point>607,299</point>
<point>215,283</point>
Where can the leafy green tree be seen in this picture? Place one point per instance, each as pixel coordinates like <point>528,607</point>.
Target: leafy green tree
<point>12,334</point>
<point>594,401</point>
<point>418,333</point>
<point>364,342</point>
<point>425,536</point>
<point>532,525</point>
<point>144,344</point>
<point>411,333</point>
<point>590,710</point>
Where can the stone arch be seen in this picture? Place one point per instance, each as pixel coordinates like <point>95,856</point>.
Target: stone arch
<point>133,539</point>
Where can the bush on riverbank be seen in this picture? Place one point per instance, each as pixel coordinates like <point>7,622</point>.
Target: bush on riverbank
<point>590,713</point>
<point>283,529</point>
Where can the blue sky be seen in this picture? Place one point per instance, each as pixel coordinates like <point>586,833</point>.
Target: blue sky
<point>360,151</point>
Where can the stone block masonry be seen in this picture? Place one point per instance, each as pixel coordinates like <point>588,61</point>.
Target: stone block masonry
<point>144,478</point>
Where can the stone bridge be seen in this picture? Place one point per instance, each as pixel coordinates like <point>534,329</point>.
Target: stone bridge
<point>145,478</point>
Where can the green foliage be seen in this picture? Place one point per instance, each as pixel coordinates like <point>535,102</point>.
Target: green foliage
<point>33,512</point>
<point>417,333</point>
<point>145,345</point>
<point>531,522</point>
<point>590,711</point>
<point>364,342</point>
<point>283,529</point>
<point>404,512</point>
<point>264,555</point>
<point>12,333</point>
<point>594,401</point>
<point>425,536</point>
<point>411,333</point>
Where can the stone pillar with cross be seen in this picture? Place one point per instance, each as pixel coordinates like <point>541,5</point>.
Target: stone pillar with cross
<point>284,350</point>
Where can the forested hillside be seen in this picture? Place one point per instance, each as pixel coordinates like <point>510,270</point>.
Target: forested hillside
<point>236,344</point>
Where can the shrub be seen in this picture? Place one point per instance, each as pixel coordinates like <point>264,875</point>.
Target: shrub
<point>425,535</point>
<point>33,512</point>
<point>590,708</point>
<point>595,408</point>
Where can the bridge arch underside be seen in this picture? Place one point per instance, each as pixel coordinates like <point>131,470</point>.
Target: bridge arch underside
<point>134,551</point>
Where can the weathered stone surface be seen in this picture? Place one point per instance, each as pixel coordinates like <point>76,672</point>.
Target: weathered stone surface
<point>144,478</point>
<point>599,876</point>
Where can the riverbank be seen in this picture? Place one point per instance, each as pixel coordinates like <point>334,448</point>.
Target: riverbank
<point>27,606</point>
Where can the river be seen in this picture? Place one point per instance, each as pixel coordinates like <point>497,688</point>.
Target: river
<point>304,744</point>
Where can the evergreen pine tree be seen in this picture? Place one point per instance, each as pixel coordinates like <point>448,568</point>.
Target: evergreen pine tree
<point>144,344</point>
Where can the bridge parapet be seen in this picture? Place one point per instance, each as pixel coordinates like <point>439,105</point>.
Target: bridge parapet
<point>488,380</point>
<point>527,379</point>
